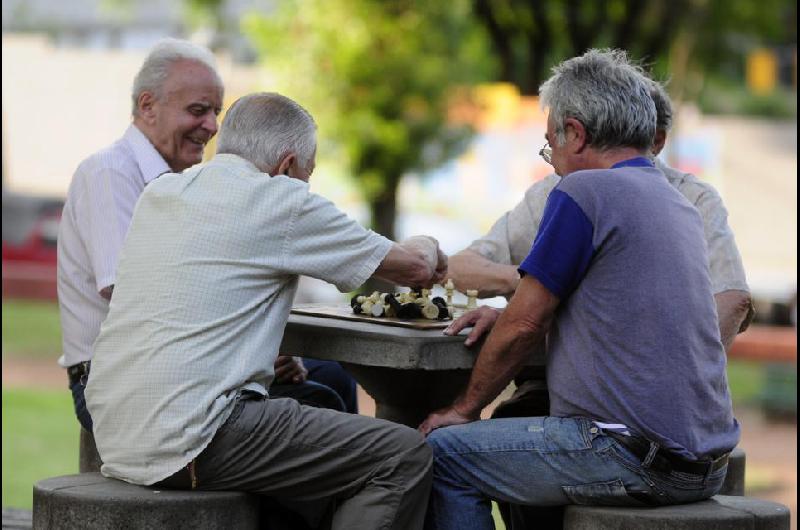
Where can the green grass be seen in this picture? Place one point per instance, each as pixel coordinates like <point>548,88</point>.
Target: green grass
<point>745,379</point>
<point>31,328</point>
<point>40,440</point>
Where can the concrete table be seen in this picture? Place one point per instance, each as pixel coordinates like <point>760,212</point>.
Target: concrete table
<point>409,372</point>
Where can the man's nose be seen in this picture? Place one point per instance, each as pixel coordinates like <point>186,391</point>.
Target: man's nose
<point>210,123</point>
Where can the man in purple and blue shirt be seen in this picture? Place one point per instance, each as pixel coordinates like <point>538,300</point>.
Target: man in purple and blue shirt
<point>618,279</point>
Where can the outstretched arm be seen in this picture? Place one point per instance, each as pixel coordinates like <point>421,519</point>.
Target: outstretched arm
<point>519,329</point>
<point>470,270</point>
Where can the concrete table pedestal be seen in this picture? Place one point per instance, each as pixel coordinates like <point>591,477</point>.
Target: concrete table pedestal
<point>409,372</point>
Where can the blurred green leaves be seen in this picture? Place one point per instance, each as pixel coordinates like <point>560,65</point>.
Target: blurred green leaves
<point>379,78</point>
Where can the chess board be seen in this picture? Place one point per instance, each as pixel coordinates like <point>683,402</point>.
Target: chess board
<point>344,312</point>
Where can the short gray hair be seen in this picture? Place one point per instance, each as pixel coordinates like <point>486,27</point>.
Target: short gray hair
<point>157,64</point>
<point>608,94</point>
<point>264,127</point>
<point>663,106</point>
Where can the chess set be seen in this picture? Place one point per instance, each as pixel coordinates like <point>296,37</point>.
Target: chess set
<point>405,309</point>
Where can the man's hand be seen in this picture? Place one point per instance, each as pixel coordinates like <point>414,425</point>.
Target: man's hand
<point>482,320</point>
<point>444,417</point>
<point>289,369</point>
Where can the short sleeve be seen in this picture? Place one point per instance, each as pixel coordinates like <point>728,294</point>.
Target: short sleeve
<point>511,236</point>
<point>325,243</point>
<point>563,248</point>
<point>727,271</point>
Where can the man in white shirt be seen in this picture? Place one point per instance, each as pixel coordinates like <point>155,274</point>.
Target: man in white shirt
<point>177,95</point>
<point>178,387</point>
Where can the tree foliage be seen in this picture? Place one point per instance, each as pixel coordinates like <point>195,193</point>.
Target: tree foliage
<point>378,76</point>
<point>529,36</point>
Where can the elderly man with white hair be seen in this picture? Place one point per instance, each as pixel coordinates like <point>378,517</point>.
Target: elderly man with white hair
<point>176,97</point>
<point>179,384</point>
<point>618,280</point>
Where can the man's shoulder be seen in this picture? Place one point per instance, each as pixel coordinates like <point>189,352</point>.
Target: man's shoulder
<point>114,158</point>
<point>689,185</point>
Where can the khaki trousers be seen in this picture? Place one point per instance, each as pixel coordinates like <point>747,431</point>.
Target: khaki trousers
<point>350,471</point>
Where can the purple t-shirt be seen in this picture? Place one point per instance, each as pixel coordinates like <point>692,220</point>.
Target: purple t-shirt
<point>636,338</point>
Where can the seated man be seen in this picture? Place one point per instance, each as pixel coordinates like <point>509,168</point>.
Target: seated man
<point>640,412</point>
<point>204,288</point>
<point>490,264</point>
<point>176,97</point>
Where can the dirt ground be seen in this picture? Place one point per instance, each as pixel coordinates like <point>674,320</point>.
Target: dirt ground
<point>771,446</point>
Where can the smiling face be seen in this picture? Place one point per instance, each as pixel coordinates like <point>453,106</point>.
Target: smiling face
<point>182,120</point>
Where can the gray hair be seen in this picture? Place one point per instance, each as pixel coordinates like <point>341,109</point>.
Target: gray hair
<point>608,94</point>
<point>155,69</point>
<point>265,127</point>
<point>663,106</point>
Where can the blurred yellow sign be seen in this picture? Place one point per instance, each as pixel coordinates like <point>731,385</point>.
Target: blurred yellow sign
<point>762,71</point>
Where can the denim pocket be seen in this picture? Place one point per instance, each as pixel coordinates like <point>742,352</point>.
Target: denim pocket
<point>612,493</point>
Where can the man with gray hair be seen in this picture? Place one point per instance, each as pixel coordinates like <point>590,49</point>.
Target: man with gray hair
<point>179,385</point>
<point>490,265</point>
<point>176,97</point>
<point>618,280</point>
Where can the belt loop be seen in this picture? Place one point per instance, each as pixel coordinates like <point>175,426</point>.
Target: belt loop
<point>651,454</point>
<point>192,474</point>
<point>85,375</point>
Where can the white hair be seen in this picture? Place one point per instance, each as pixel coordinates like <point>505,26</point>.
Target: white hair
<point>608,94</point>
<point>155,69</point>
<point>265,127</point>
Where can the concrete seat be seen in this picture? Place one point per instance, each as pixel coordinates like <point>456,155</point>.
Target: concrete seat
<point>734,479</point>
<point>89,501</point>
<point>718,513</point>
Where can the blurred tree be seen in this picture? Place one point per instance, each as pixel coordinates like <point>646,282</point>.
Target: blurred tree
<point>378,77</point>
<point>529,36</point>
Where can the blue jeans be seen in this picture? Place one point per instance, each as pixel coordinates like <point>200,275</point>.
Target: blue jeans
<point>78,399</point>
<point>544,461</point>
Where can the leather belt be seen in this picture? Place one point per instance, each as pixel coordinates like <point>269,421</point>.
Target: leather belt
<point>666,461</point>
<point>79,372</point>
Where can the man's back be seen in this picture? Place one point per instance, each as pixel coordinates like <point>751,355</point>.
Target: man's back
<point>205,284</point>
<point>637,342</point>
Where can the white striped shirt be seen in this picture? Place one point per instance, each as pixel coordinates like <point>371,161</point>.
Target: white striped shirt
<point>204,287</point>
<point>98,210</point>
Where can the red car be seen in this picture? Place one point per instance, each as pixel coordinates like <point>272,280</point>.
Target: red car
<point>30,231</point>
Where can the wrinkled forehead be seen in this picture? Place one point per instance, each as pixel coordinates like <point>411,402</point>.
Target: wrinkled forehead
<point>191,79</point>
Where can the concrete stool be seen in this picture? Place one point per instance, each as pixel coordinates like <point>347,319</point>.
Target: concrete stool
<point>718,513</point>
<point>92,502</point>
<point>734,479</point>
<point>88,458</point>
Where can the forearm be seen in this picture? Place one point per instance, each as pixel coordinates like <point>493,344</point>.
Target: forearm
<point>470,270</point>
<point>415,262</point>
<point>519,329</point>
<point>733,308</point>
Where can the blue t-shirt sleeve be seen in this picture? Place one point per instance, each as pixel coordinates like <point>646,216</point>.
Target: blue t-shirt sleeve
<point>563,247</point>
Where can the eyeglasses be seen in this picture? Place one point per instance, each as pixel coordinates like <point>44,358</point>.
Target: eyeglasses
<point>546,153</point>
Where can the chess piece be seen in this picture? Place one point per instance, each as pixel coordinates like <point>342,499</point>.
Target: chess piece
<point>472,295</point>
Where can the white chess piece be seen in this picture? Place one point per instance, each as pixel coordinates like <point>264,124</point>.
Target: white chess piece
<point>472,295</point>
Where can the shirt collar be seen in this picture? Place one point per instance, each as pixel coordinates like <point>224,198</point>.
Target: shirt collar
<point>639,161</point>
<point>234,160</point>
<point>150,161</point>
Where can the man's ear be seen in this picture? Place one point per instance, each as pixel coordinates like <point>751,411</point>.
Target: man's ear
<point>576,135</point>
<point>145,106</point>
<point>285,164</point>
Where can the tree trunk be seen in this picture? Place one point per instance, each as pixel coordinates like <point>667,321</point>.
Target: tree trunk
<point>383,210</point>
